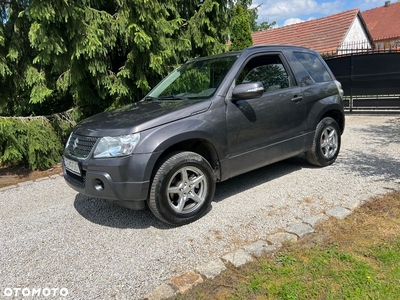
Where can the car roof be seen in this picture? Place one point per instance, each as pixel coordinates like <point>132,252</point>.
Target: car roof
<point>254,49</point>
<point>275,47</point>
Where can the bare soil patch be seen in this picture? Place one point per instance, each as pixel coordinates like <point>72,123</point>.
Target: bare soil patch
<point>14,175</point>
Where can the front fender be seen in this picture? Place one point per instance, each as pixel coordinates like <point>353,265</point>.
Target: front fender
<point>157,140</point>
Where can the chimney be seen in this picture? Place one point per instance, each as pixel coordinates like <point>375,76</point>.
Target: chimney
<point>387,3</point>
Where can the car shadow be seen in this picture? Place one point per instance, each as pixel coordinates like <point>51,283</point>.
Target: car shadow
<point>106,213</point>
<point>254,178</point>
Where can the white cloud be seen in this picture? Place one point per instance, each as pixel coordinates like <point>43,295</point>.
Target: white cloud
<point>292,21</point>
<point>369,4</point>
<point>291,9</point>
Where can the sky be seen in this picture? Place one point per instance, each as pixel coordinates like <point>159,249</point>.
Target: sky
<point>286,12</point>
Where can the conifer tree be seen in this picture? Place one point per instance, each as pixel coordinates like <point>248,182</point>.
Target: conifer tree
<point>240,30</point>
<point>91,55</point>
<point>95,53</point>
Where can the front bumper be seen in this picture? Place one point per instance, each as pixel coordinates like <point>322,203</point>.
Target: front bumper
<point>99,181</point>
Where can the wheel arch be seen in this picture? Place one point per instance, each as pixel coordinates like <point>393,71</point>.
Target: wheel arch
<point>337,115</point>
<point>199,146</point>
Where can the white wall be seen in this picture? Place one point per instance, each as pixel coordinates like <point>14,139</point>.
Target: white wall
<point>356,38</point>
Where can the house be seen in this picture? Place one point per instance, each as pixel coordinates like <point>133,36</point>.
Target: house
<point>384,24</point>
<point>336,34</point>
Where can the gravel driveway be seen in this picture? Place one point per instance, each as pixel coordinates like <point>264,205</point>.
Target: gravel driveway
<point>51,237</point>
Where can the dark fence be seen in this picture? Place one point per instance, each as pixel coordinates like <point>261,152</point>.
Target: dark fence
<point>370,78</point>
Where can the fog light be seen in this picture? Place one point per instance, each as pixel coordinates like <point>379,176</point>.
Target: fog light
<point>98,185</point>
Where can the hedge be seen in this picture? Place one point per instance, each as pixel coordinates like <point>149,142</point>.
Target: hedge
<point>36,142</point>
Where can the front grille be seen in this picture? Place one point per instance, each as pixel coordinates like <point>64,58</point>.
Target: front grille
<point>80,146</point>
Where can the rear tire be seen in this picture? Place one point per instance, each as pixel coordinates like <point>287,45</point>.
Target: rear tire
<point>326,144</point>
<point>182,188</point>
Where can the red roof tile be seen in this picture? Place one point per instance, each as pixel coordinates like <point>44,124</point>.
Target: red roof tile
<point>323,35</point>
<point>383,22</point>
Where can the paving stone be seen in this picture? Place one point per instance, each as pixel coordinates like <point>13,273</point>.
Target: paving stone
<point>352,204</point>
<point>315,220</point>
<point>186,281</point>
<point>238,258</point>
<point>259,248</point>
<point>338,212</point>
<point>54,176</point>
<point>25,183</point>
<point>212,269</point>
<point>278,239</point>
<point>41,179</point>
<point>300,229</point>
<point>8,188</point>
<point>162,292</point>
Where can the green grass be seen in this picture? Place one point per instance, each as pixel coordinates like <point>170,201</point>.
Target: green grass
<point>356,258</point>
<point>325,273</point>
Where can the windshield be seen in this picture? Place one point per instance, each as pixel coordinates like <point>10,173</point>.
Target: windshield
<point>194,80</point>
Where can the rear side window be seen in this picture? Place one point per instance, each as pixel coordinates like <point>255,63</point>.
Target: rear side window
<point>313,66</point>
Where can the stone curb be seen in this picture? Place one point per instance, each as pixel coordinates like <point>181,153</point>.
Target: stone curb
<point>183,283</point>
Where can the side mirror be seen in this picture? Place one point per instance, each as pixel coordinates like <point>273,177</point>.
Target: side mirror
<point>248,90</point>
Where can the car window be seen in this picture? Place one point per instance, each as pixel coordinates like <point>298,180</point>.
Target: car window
<point>313,66</point>
<point>195,79</point>
<point>269,70</point>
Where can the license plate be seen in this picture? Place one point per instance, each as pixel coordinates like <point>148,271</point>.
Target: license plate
<point>72,166</point>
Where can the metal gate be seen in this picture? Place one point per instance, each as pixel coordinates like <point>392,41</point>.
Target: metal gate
<point>370,78</point>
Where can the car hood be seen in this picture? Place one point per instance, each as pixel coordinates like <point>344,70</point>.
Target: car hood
<point>139,116</point>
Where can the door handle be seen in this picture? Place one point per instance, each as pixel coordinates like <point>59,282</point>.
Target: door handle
<point>297,99</point>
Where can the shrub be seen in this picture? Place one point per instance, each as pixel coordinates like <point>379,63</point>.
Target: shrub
<point>36,142</point>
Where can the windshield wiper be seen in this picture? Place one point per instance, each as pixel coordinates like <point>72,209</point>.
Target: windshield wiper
<point>174,97</point>
<point>150,98</point>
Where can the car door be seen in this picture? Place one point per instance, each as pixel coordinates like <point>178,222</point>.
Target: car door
<point>270,128</point>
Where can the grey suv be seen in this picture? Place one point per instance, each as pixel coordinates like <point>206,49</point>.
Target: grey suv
<point>209,120</point>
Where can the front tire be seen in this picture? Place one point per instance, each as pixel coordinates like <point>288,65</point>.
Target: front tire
<point>182,188</point>
<point>326,144</point>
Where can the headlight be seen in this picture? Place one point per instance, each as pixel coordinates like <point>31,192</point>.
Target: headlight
<point>114,146</point>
